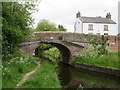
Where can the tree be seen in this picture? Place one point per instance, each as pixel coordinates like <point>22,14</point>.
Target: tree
<point>61,28</point>
<point>16,21</point>
<point>45,25</point>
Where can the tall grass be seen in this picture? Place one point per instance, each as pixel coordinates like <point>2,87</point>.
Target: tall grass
<point>107,60</point>
<point>45,77</point>
<point>13,70</point>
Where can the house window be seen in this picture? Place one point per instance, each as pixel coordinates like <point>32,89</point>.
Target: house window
<point>98,33</point>
<point>105,33</point>
<point>90,33</point>
<point>90,27</point>
<point>105,27</point>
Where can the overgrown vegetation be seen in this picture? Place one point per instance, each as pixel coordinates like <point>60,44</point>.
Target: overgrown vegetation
<point>53,54</point>
<point>39,52</point>
<point>16,27</point>
<point>13,70</point>
<point>98,56</point>
<point>106,60</point>
<point>49,51</point>
<point>16,21</point>
<point>46,77</point>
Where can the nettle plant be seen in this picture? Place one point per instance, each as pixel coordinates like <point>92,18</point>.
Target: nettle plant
<point>96,50</point>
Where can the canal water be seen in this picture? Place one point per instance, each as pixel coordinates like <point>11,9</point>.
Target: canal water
<point>77,78</point>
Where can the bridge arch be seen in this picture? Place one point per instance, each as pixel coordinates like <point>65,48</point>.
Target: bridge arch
<point>67,43</point>
<point>65,53</point>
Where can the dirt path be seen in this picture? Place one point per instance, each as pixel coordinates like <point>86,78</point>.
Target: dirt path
<point>27,75</point>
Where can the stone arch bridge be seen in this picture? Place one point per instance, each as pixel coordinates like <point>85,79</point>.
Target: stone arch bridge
<point>67,43</point>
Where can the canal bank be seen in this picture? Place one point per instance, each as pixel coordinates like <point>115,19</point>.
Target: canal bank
<point>66,77</point>
<point>100,69</point>
<point>71,77</point>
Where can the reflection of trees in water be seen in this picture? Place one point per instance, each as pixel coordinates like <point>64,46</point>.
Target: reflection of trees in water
<point>64,75</point>
<point>67,80</point>
<point>72,78</point>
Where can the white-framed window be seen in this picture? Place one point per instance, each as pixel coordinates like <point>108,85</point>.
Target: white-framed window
<point>106,28</point>
<point>90,33</point>
<point>105,33</point>
<point>98,33</point>
<point>90,27</point>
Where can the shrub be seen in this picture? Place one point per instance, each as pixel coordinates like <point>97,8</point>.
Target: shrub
<point>102,50</point>
<point>92,53</point>
<point>60,38</point>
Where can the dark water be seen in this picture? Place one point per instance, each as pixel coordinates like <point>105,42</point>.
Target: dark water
<point>73,78</point>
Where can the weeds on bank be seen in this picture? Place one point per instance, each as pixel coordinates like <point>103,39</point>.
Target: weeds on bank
<point>13,69</point>
<point>98,55</point>
<point>45,77</point>
<point>91,57</point>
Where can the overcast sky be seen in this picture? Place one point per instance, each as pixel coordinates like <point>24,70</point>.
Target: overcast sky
<point>63,12</point>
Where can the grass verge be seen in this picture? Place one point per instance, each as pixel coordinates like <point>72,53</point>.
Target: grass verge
<point>107,60</point>
<point>45,77</point>
<point>13,70</point>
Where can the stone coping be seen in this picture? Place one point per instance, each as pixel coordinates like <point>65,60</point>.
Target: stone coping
<point>101,69</point>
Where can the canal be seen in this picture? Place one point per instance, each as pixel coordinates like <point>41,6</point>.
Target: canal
<point>70,77</point>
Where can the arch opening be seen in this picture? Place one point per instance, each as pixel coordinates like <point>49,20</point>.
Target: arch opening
<point>65,53</point>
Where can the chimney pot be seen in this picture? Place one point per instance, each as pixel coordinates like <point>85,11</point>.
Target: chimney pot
<point>108,15</point>
<point>78,15</point>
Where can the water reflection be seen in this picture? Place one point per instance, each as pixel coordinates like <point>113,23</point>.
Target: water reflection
<point>72,78</point>
<point>67,80</point>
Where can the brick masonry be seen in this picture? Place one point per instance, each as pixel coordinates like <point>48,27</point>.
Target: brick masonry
<point>63,41</point>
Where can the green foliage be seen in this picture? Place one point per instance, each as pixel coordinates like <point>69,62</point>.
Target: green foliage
<point>48,51</point>
<point>16,19</point>
<point>61,28</point>
<point>97,50</point>
<point>93,41</point>
<point>45,77</point>
<point>53,54</point>
<point>102,50</point>
<point>13,70</point>
<point>45,25</point>
<point>88,54</point>
<point>39,52</point>
<point>45,46</point>
<point>106,60</point>
<point>92,53</point>
<point>60,38</point>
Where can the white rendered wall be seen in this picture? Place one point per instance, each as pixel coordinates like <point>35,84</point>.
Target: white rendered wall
<point>99,28</point>
<point>119,17</point>
<point>78,26</point>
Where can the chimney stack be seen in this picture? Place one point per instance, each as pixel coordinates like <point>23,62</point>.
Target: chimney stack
<point>108,15</point>
<point>78,15</point>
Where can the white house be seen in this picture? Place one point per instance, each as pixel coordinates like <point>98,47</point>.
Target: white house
<point>94,25</point>
<point>119,17</point>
